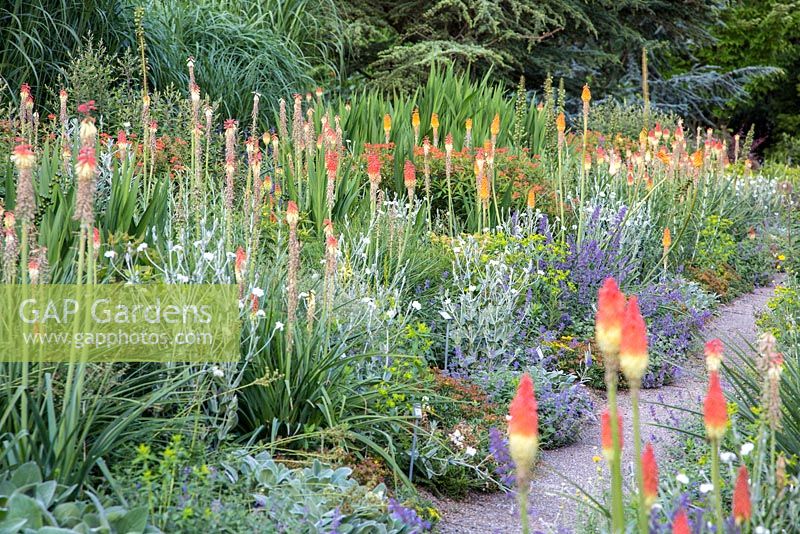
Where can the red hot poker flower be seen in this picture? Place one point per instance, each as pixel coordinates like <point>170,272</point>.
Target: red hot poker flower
<point>608,322</point>
<point>373,165</point>
<point>409,174</point>
<point>241,259</point>
<point>649,476</point>
<point>713,351</point>
<point>523,426</point>
<point>23,157</point>
<point>633,344</point>
<point>606,438</point>
<point>742,508</point>
<point>715,409</point>
<point>680,524</point>
<point>292,213</point>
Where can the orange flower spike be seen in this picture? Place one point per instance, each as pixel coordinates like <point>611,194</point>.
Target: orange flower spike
<point>561,123</point>
<point>715,409</point>
<point>666,240</point>
<point>697,159</point>
<point>680,524</point>
<point>531,199</point>
<point>435,121</point>
<point>649,476</point>
<point>495,127</point>
<point>415,124</point>
<point>409,174</point>
<point>586,94</point>
<point>742,508</point>
<point>239,265</point>
<point>606,438</point>
<point>292,213</point>
<point>468,125</point>
<point>608,322</point>
<point>387,126</point>
<point>523,427</point>
<point>713,351</point>
<point>484,191</point>
<point>633,345</point>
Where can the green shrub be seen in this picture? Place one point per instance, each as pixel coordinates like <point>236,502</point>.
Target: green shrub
<point>29,504</point>
<point>242,492</point>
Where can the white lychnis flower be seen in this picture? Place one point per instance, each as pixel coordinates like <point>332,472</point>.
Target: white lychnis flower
<point>746,449</point>
<point>682,479</point>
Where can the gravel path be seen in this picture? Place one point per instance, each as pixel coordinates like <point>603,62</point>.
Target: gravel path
<point>551,507</point>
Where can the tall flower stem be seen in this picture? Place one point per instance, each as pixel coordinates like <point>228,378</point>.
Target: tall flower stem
<point>522,496</point>
<point>716,480</point>
<point>561,196</point>
<point>617,510</point>
<point>637,447</point>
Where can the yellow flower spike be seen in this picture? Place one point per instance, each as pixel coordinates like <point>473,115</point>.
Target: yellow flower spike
<point>434,120</point>
<point>561,123</point>
<point>387,125</point>
<point>586,94</point>
<point>495,128</point>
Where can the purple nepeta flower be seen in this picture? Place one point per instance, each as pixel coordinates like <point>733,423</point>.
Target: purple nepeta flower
<point>409,516</point>
<point>498,447</point>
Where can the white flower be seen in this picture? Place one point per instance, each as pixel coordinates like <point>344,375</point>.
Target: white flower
<point>470,451</point>
<point>761,530</point>
<point>110,254</point>
<point>682,479</point>
<point>141,247</point>
<point>177,248</point>
<point>261,313</point>
<point>416,305</point>
<point>471,288</point>
<point>217,372</point>
<point>727,457</point>
<point>279,326</point>
<point>746,449</point>
<point>208,256</point>
<point>705,488</point>
<point>446,316</point>
<point>257,291</point>
<point>231,255</point>
<point>182,278</point>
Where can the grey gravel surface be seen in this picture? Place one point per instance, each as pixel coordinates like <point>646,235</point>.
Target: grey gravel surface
<point>553,506</point>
